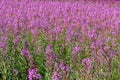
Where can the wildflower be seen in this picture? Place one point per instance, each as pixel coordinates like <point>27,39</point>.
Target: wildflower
<point>107,47</point>
<point>51,59</point>
<point>34,31</point>
<point>49,49</point>
<point>39,49</point>
<point>15,71</point>
<point>64,67</point>
<point>81,40</point>
<point>76,50</point>
<point>97,44</point>
<point>3,41</point>
<point>92,34</point>
<point>25,52</point>
<point>88,63</point>
<point>33,75</point>
<point>112,54</point>
<point>57,75</point>
<point>17,40</point>
<point>3,44</point>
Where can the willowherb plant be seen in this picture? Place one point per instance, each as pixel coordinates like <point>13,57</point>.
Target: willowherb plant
<point>33,74</point>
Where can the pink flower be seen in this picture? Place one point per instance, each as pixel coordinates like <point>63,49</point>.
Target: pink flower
<point>76,50</point>
<point>49,49</point>
<point>15,71</point>
<point>3,41</point>
<point>25,52</point>
<point>17,40</point>
<point>112,54</point>
<point>57,75</point>
<point>88,63</point>
<point>33,75</point>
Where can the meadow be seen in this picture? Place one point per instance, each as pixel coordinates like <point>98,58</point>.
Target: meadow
<point>59,40</point>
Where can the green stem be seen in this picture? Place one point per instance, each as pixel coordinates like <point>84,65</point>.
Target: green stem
<point>4,76</point>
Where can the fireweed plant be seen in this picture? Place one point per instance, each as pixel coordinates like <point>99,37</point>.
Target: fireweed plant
<point>59,40</point>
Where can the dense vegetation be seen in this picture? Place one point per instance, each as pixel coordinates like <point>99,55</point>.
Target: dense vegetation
<point>59,40</point>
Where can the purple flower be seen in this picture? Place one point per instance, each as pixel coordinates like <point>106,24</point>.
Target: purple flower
<point>106,47</point>
<point>88,63</point>
<point>39,49</point>
<point>92,34</point>
<point>49,49</point>
<point>17,40</point>
<point>25,52</point>
<point>34,31</point>
<point>15,71</point>
<point>112,54</point>
<point>3,44</point>
<point>3,38</point>
<point>33,75</point>
<point>76,50</point>
<point>57,75</point>
<point>64,67</point>
<point>52,56</point>
<point>86,60</point>
<point>3,41</point>
<point>81,40</point>
<point>97,44</point>
<point>51,59</point>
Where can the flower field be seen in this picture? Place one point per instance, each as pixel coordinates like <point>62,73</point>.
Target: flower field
<point>59,40</point>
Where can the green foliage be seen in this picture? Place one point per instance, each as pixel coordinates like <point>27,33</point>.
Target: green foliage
<point>14,60</point>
